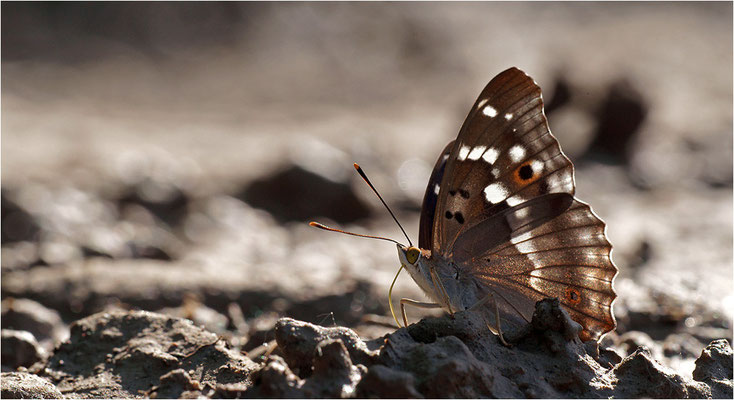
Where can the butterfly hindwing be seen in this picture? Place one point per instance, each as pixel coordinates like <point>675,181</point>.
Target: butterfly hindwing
<point>567,257</point>
<point>503,156</point>
<point>500,228</point>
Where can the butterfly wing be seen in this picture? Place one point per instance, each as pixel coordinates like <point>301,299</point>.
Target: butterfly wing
<point>506,215</point>
<point>567,257</point>
<point>430,199</point>
<point>504,155</point>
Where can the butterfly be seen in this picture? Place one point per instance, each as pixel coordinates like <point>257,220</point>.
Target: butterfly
<point>500,227</point>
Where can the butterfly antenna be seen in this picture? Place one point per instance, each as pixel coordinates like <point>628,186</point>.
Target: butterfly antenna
<point>362,174</point>
<point>327,228</point>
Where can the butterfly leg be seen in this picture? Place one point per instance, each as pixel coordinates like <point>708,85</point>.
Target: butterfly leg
<point>437,283</point>
<point>414,303</point>
<point>484,301</point>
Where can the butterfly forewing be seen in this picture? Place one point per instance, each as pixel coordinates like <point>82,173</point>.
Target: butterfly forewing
<point>430,199</point>
<point>503,156</point>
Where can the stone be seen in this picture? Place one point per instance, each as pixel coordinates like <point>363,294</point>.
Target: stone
<point>19,349</point>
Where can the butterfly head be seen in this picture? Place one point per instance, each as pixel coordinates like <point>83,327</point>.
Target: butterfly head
<point>409,256</point>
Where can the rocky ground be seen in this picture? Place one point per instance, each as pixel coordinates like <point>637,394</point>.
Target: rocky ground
<point>156,194</point>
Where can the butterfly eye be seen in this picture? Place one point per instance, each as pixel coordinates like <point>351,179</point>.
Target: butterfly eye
<point>412,255</point>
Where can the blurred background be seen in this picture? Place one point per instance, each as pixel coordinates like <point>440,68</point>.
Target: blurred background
<point>168,156</point>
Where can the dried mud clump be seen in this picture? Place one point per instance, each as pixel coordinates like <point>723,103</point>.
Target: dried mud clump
<point>714,368</point>
<point>22,385</point>
<point>134,354</point>
<point>458,357</point>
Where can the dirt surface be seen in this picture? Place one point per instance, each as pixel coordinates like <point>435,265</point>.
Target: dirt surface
<point>142,354</point>
<point>160,163</point>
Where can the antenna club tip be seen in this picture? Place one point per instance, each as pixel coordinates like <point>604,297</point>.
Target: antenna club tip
<point>357,167</point>
<point>314,224</point>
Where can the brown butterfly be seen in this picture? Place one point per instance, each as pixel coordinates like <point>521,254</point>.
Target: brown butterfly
<point>500,228</point>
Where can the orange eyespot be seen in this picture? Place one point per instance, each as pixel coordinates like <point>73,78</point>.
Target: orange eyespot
<point>525,173</point>
<point>412,254</point>
<point>573,296</point>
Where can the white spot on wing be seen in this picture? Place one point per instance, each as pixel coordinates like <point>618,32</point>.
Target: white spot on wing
<point>522,213</point>
<point>537,167</point>
<point>559,182</point>
<point>489,111</point>
<point>515,200</point>
<point>463,152</point>
<point>495,173</point>
<point>517,153</point>
<point>508,116</point>
<point>436,189</point>
<point>491,155</point>
<point>495,193</point>
<point>481,103</point>
<point>476,152</point>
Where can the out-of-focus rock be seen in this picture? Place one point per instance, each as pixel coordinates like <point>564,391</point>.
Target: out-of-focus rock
<point>714,367</point>
<point>681,345</point>
<point>618,121</point>
<point>17,223</point>
<point>19,255</point>
<point>200,314</point>
<point>561,95</point>
<point>629,342</point>
<point>127,354</point>
<point>22,385</point>
<point>87,287</point>
<point>27,315</point>
<point>19,349</point>
<point>163,199</point>
<point>317,197</point>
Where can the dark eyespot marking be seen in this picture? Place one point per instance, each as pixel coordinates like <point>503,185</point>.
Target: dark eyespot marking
<point>459,217</point>
<point>573,296</point>
<point>449,215</point>
<point>464,193</point>
<point>452,192</point>
<point>525,172</point>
